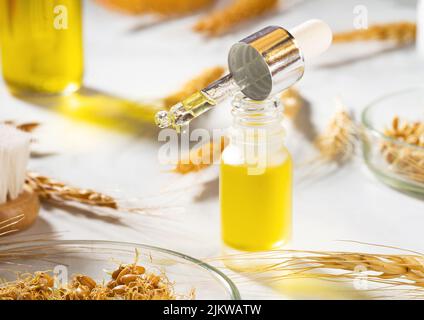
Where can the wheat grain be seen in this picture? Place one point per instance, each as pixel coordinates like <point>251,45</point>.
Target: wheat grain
<point>405,160</point>
<point>221,21</point>
<point>138,285</point>
<point>400,32</point>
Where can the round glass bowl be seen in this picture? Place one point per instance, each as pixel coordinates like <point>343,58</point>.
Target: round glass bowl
<point>94,258</point>
<point>397,163</point>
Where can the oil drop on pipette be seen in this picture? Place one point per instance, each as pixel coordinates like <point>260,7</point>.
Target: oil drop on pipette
<point>181,114</point>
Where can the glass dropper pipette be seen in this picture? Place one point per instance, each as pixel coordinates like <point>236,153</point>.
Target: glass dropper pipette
<point>192,107</point>
<point>261,65</point>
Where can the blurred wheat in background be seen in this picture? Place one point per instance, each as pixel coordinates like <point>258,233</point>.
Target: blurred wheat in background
<point>162,7</point>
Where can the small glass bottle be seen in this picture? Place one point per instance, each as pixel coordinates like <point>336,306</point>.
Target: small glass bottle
<point>41,45</point>
<point>256,178</point>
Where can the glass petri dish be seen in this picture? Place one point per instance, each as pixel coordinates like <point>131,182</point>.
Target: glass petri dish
<point>94,258</point>
<point>397,163</point>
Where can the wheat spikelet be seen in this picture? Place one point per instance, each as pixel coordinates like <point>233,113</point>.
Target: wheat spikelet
<point>400,32</point>
<point>50,189</point>
<point>202,157</point>
<point>192,86</point>
<point>238,11</point>
<point>337,142</point>
<point>292,102</point>
<point>163,7</point>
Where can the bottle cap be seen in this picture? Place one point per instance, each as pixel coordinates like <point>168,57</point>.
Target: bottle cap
<point>273,59</point>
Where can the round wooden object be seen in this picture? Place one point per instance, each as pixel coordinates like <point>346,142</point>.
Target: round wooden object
<point>27,204</point>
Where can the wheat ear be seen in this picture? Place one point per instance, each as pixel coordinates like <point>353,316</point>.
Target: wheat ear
<point>399,32</point>
<point>50,189</point>
<point>387,269</point>
<point>337,142</point>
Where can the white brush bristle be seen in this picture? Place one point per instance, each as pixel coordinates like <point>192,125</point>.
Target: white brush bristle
<point>14,155</point>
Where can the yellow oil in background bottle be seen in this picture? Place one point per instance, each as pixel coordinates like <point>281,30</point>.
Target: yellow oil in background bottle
<point>256,197</point>
<point>41,45</point>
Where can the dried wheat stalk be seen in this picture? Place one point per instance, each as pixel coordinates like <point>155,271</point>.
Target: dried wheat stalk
<point>221,21</point>
<point>405,160</point>
<point>202,157</point>
<point>162,7</point>
<point>337,142</point>
<point>388,269</point>
<point>50,189</point>
<point>401,32</point>
<point>192,86</point>
<point>9,223</point>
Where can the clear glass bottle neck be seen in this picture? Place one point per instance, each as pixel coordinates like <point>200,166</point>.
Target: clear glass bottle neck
<point>256,118</point>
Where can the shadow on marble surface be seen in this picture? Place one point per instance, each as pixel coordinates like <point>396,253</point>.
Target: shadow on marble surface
<point>303,121</point>
<point>102,109</point>
<point>87,213</point>
<point>412,194</point>
<point>349,60</point>
<point>210,191</point>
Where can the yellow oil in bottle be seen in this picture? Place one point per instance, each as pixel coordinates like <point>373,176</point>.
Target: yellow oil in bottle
<point>41,45</point>
<point>256,209</point>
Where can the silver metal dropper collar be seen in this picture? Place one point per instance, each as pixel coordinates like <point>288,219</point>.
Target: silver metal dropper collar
<point>266,63</point>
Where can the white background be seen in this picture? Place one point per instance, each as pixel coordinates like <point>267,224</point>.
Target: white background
<point>329,205</point>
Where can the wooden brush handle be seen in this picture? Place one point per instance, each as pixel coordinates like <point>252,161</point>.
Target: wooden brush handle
<point>27,203</point>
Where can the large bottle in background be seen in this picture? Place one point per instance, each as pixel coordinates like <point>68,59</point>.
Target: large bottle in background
<point>41,45</point>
